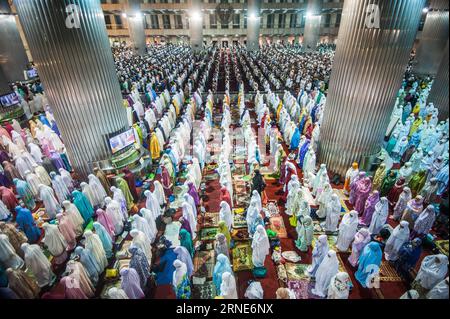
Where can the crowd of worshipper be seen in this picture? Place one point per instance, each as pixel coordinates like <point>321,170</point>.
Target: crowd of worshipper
<point>57,230</point>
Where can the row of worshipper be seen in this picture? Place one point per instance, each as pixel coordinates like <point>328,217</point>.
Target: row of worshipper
<point>31,96</point>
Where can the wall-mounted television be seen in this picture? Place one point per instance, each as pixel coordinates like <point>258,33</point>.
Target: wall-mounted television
<point>119,142</point>
<point>32,73</point>
<point>9,99</point>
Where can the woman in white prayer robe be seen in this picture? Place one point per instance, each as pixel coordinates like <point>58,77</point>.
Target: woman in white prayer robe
<point>116,293</point>
<point>151,203</point>
<point>8,256</point>
<point>257,198</point>
<point>98,190</point>
<point>432,270</point>
<point>151,221</point>
<point>67,178</point>
<point>21,166</point>
<point>399,236</point>
<point>42,174</point>
<point>189,199</point>
<point>55,242</point>
<point>36,152</point>
<point>38,264</point>
<point>188,214</point>
<point>323,200</point>
<point>339,286</point>
<point>320,182</point>
<point>47,196</point>
<point>328,268</point>
<point>60,188</point>
<point>260,246</point>
<point>309,165</point>
<point>333,211</point>
<point>34,182</point>
<point>228,286</point>
<point>292,201</point>
<point>158,191</point>
<point>226,214</point>
<point>347,230</point>
<point>94,244</point>
<point>74,215</point>
<point>120,198</point>
<point>89,193</point>
<point>410,294</point>
<point>440,291</point>
<point>379,216</point>
<point>114,213</point>
<point>320,250</point>
<point>140,241</point>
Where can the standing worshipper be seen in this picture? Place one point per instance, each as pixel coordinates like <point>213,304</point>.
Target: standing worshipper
<point>225,196</point>
<point>347,230</point>
<point>352,172</point>
<point>408,256</point>
<point>140,241</point>
<point>333,214</point>
<point>105,238</point>
<point>94,244</point>
<point>388,182</point>
<point>8,198</point>
<point>226,214</point>
<point>318,253</point>
<point>87,191</point>
<point>67,229</point>
<point>130,283</point>
<point>186,241</point>
<point>48,198</point>
<point>67,178</point>
<point>123,186</point>
<point>42,174</point>
<point>27,224</point>
<point>188,214</point>
<point>23,285</point>
<point>141,223</point>
<point>60,188</point>
<point>74,215</point>
<point>38,264</point>
<point>106,222</point>
<point>131,181</point>
<point>328,268</point>
<point>184,256</point>
<point>369,208</point>
<point>369,264</point>
<point>8,256</point>
<point>181,284</point>
<point>84,206</point>
<point>258,183</point>
<point>432,270</point>
<point>362,238</point>
<point>413,210</point>
<point>33,182</point>
<point>222,265</point>
<point>305,231</point>
<point>89,262</point>
<point>103,180</point>
<point>379,216</point>
<point>223,229</point>
<point>228,287</point>
<point>114,212</point>
<point>140,263</point>
<point>221,246</point>
<point>424,222</point>
<point>402,202</point>
<point>16,237</point>
<point>25,193</point>
<point>260,246</point>
<point>399,236</point>
<point>55,243</point>
<point>98,190</point>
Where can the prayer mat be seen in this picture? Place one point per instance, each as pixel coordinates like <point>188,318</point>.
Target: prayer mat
<point>242,200</point>
<point>272,209</point>
<point>239,170</point>
<point>240,234</point>
<point>172,232</point>
<point>211,167</point>
<point>388,272</point>
<point>211,177</point>
<point>318,229</point>
<point>107,286</point>
<point>205,291</point>
<point>332,241</point>
<point>204,262</point>
<point>341,263</point>
<point>211,219</point>
<point>300,288</point>
<point>291,256</point>
<point>277,225</point>
<point>208,233</point>
<point>239,221</point>
<point>239,210</point>
<point>442,245</point>
<point>296,271</point>
<point>242,257</point>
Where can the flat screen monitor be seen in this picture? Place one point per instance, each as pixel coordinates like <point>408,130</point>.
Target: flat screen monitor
<point>119,142</point>
<point>9,99</point>
<point>32,73</point>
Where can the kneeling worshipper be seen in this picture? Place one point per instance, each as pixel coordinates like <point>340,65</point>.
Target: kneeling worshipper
<point>222,265</point>
<point>105,238</point>
<point>129,282</point>
<point>22,284</point>
<point>440,291</point>
<point>432,270</point>
<point>94,244</point>
<point>116,293</point>
<point>27,224</point>
<point>318,254</point>
<point>55,243</point>
<point>347,230</point>
<point>361,239</point>
<point>228,287</point>
<point>399,236</point>
<point>8,256</point>
<point>328,268</point>
<point>140,263</point>
<point>260,247</point>
<point>38,264</point>
<point>340,286</point>
<point>184,256</point>
<point>181,284</point>
<point>369,264</point>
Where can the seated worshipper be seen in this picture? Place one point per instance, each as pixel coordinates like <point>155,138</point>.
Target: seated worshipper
<point>305,231</point>
<point>98,190</point>
<point>83,205</point>
<point>123,186</point>
<point>94,244</point>
<point>140,263</point>
<point>399,236</point>
<point>347,230</point>
<point>75,216</point>
<point>116,293</point>
<point>361,239</point>
<point>164,268</point>
<point>181,283</point>
<point>440,291</point>
<point>8,198</point>
<point>25,193</point>
<point>333,214</point>
<point>340,285</point>
<point>380,215</point>
<point>105,238</point>
<point>67,229</point>
<point>432,270</point>
<point>222,265</point>
<point>22,284</point>
<point>408,256</point>
<point>131,181</point>
<point>328,268</point>
<point>129,282</point>
<point>221,245</point>
<point>369,208</point>
<point>228,287</point>
<point>8,256</point>
<point>424,222</point>
<point>260,246</point>
<point>27,224</point>
<point>38,264</point>
<point>55,243</point>
<point>369,264</point>
<point>184,256</point>
<point>60,188</point>
<point>318,254</point>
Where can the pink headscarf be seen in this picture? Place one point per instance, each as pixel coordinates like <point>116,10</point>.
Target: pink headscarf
<point>106,221</point>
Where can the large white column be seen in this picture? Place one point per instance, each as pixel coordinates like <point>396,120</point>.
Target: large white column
<point>136,26</point>
<point>196,25</point>
<point>312,25</point>
<point>439,90</point>
<point>253,24</point>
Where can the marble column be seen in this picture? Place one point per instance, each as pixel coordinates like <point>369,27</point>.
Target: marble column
<point>196,25</point>
<point>370,60</point>
<point>312,25</point>
<point>253,25</point>
<point>136,26</point>
<point>439,90</point>
<point>434,36</point>
<point>77,70</point>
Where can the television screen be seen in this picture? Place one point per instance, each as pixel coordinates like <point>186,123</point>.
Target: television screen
<point>32,73</point>
<point>9,99</point>
<point>121,141</point>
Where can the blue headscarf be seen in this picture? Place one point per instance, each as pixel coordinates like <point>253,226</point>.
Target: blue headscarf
<point>222,265</point>
<point>105,238</point>
<point>369,262</point>
<point>25,193</point>
<point>27,224</point>
<point>83,205</point>
<point>409,254</point>
<point>165,276</point>
<point>295,139</point>
<point>89,262</point>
